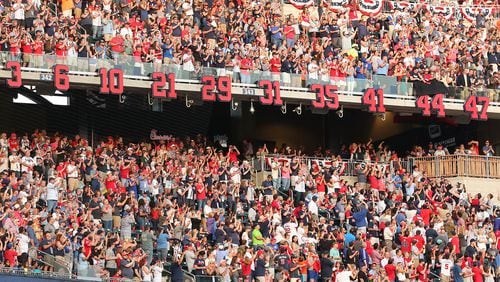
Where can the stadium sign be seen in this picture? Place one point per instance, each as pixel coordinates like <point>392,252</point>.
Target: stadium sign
<point>155,137</point>
<point>320,96</point>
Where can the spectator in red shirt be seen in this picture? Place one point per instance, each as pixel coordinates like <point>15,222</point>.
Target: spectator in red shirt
<point>390,270</point>
<point>10,255</point>
<point>27,49</point>
<point>275,63</point>
<point>60,51</point>
<point>201,194</point>
<point>117,46</point>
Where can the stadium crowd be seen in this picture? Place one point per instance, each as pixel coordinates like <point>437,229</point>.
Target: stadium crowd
<point>316,44</point>
<point>126,210</point>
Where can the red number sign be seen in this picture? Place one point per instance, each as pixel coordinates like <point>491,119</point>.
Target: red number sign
<point>222,85</point>
<point>272,93</point>
<point>471,107</point>
<point>326,95</point>
<point>224,89</point>
<point>208,88</point>
<point>435,105</point>
<point>159,82</point>
<point>111,81</point>
<point>61,79</point>
<point>374,99</point>
<point>16,80</point>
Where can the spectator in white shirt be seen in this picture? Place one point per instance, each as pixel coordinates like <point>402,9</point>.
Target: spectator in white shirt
<point>52,194</point>
<point>313,208</point>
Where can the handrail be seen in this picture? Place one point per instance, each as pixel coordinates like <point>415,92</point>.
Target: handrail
<point>33,273</point>
<point>67,265</point>
<point>459,165</point>
<point>347,165</point>
<point>52,8</point>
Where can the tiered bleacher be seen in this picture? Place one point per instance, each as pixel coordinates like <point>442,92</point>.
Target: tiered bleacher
<point>191,209</point>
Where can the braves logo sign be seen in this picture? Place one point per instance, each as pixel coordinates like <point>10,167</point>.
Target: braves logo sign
<point>370,7</point>
<point>301,4</point>
<point>400,6</point>
<point>470,13</point>
<point>445,11</point>
<point>335,5</point>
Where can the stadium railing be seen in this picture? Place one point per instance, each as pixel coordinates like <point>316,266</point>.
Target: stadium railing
<point>61,266</point>
<point>263,163</point>
<point>435,166</point>
<point>459,166</point>
<point>9,271</point>
<point>134,69</point>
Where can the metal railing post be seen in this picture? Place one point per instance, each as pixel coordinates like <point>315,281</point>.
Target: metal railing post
<point>466,165</point>
<point>437,168</point>
<point>487,163</point>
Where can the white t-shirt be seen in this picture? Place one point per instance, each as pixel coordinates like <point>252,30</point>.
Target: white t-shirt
<point>187,8</point>
<point>23,243</point>
<point>344,276</point>
<point>96,18</point>
<point>18,11</point>
<point>446,265</point>
<point>15,163</point>
<point>52,193</point>
<point>28,163</point>
<point>291,228</point>
<point>313,207</point>
<point>313,68</point>
<point>236,174</point>
<point>300,185</point>
<point>4,163</point>
<point>72,171</point>
<point>187,63</point>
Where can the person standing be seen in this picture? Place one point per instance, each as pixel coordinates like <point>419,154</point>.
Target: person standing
<point>52,194</point>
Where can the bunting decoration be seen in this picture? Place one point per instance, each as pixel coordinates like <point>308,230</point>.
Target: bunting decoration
<point>301,4</point>
<point>401,5</point>
<point>370,7</point>
<point>335,5</point>
<point>470,13</point>
<point>444,11</point>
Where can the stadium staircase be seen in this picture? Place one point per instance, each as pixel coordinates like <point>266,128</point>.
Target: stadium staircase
<point>61,267</point>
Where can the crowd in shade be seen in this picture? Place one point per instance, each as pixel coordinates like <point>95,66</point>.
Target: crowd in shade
<point>314,44</point>
<point>130,211</point>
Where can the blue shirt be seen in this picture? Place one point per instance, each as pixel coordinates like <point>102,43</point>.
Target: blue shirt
<point>162,241</point>
<point>457,271</point>
<point>167,52</point>
<point>359,74</point>
<point>360,217</point>
<point>276,35</point>
<point>400,217</point>
<point>348,238</point>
